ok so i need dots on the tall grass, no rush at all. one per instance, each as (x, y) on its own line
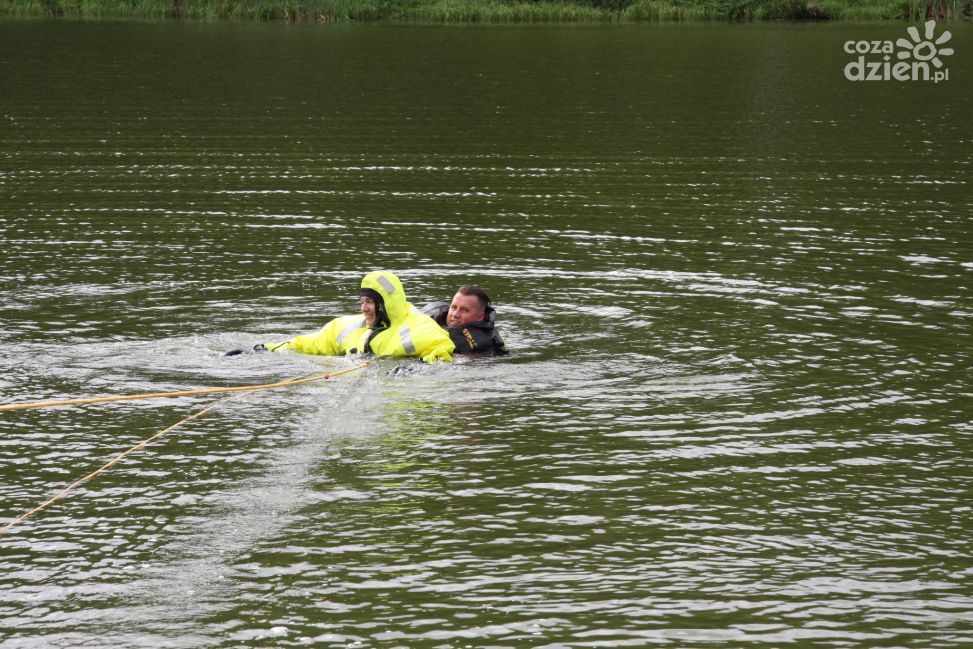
(695, 10)
(911, 10)
(495, 11)
(478, 11)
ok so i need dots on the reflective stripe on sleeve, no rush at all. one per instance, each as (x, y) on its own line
(406, 337)
(350, 329)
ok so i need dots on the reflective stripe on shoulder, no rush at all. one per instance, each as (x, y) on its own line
(406, 337)
(386, 284)
(350, 329)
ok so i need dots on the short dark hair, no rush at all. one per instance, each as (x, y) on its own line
(473, 289)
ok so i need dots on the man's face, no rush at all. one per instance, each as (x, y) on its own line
(368, 309)
(463, 309)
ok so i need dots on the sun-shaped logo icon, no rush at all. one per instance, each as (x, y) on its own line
(925, 50)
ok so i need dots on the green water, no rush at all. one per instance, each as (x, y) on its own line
(736, 287)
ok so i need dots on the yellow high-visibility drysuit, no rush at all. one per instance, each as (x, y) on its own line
(406, 331)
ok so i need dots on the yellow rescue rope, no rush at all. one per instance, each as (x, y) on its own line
(180, 393)
(77, 483)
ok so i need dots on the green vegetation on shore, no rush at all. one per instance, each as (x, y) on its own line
(495, 11)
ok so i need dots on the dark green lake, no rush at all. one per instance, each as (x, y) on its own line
(736, 286)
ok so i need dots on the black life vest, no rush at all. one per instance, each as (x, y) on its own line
(479, 337)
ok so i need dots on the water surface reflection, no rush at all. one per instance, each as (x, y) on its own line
(737, 407)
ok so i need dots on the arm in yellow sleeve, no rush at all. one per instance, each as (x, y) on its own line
(321, 342)
(442, 350)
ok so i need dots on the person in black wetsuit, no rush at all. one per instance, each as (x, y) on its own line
(470, 321)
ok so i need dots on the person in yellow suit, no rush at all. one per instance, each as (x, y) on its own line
(388, 326)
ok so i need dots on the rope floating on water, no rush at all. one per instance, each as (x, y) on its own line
(179, 393)
(145, 442)
(77, 483)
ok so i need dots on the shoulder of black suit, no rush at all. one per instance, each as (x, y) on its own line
(437, 311)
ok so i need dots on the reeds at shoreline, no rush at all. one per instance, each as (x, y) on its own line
(493, 11)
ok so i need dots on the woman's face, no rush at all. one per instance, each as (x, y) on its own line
(368, 309)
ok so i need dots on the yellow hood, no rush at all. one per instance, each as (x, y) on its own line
(390, 288)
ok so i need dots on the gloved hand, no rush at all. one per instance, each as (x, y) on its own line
(403, 370)
(239, 350)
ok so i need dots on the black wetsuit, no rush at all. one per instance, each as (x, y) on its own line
(479, 337)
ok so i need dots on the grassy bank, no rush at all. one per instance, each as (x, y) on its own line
(495, 11)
